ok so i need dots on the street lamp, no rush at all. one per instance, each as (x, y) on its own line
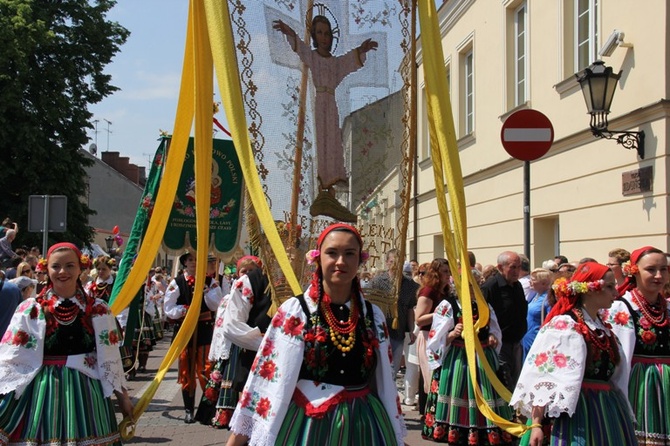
(109, 242)
(598, 84)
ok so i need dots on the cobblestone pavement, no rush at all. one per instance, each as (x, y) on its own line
(163, 421)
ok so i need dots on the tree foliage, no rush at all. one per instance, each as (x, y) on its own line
(52, 59)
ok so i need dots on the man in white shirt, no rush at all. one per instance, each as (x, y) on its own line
(193, 364)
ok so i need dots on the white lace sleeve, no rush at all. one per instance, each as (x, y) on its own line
(220, 347)
(235, 327)
(619, 317)
(172, 310)
(107, 343)
(22, 348)
(213, 295)
(443, 323)
(553, 371)
(273, 377)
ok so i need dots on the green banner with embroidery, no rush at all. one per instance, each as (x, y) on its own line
(225, 211)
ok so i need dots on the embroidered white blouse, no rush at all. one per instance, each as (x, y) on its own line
(212, 294)
(274, 376)
(554, 369)
(443, 322)
(22, 349)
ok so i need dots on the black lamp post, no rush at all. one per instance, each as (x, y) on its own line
(598, 84)
(109, 243)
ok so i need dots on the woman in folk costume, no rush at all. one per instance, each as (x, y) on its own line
(640, 320)
(193, 364)
(144, 335)
(101, 287)
(60, 364)
(451, 412)
(323, 373)
(576, 372)
(434, 289)
(220, 396)
(41, 275)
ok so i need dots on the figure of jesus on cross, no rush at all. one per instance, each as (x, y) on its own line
(327, 71)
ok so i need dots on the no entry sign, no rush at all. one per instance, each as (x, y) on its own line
(527, 135)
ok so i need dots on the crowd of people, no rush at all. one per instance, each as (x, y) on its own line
(583, 348)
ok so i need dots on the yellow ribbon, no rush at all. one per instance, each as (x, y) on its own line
(446, 164)
(227, 73)
(206, 20)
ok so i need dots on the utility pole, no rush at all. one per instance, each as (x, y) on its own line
(108, 131)
(95, 133)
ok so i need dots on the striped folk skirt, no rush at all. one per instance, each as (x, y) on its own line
(601, 417)
(451, 413)
(60, 406)
(358, 421)
(649, 395)
(220, 398)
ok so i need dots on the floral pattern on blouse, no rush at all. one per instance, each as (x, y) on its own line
(551, 359)
(19, 338)
(556, 365)
(274, 376)
(444, 320)
(637, 338)
(21, 356)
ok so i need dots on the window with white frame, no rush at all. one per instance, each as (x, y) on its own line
(468, 98)
(585, 32)
(520, 55)
(424, 150)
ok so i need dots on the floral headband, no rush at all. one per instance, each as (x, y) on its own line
(41, 265)
(565, 289)
(629, 270)
(109, 261)
(85, 261)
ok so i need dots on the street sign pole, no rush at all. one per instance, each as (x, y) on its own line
(527, 135)
(45, 226)
(47, 213)
(526, 208)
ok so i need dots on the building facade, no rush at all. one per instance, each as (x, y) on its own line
(585, 193)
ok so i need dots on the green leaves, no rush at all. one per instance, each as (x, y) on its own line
(52, 60)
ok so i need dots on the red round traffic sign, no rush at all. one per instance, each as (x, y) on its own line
(527, 134)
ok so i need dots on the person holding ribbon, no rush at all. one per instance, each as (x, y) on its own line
(60, 364)
(451, 416)
(576, 371)
(194, 366)
(322, 374)
(229, 352)
(641, 321)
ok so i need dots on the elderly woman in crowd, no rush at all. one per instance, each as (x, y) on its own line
(540, 306)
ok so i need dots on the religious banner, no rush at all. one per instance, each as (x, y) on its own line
(225, 209)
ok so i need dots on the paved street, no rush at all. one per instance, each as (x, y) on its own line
(163, 423)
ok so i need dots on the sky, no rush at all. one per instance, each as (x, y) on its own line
(148, 71)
